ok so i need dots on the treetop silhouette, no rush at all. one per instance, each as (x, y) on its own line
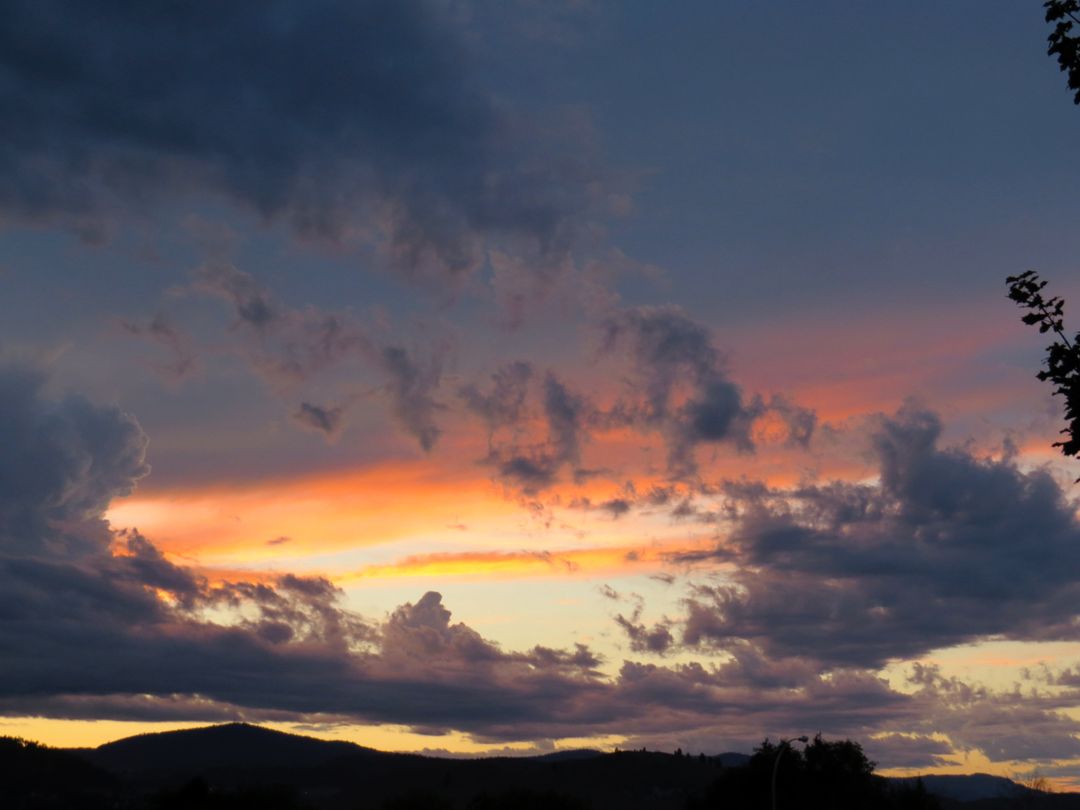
(1062, 356)
(1063, 45)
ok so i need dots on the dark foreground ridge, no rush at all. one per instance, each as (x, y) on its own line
(244, 766)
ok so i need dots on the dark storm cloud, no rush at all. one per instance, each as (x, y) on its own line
(333, 116)
(62, 462)
(946, 549)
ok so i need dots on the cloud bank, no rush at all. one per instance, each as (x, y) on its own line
(98, 623)
(344, 120)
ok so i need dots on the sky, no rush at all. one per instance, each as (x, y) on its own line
(477, 376)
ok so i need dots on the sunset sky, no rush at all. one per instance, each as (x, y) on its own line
(485, 375)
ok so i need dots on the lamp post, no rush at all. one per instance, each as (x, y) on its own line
(776, 762)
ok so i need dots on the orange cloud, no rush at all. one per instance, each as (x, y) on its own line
(270, 519)
(580, 561)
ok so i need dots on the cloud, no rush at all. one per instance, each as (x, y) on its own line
(338, 118)
(109, 627)
(686, 393)
(410, 386)
(504, 403)
(908, 750)
(90, 615)
(1007, 725)
(63, 461)
(945, 549)
(97, 623)
(327, 420)
(161, 330)
(565, 412)
(535, 466)
(655, 639)
(288, 346)
(253, 305)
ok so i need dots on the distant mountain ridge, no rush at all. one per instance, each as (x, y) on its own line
(970, 787)
(238, 756)
(233, 745)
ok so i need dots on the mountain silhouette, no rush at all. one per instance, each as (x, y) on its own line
(224, 747)
(240, 765)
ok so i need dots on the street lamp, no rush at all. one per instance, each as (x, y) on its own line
(776, 762)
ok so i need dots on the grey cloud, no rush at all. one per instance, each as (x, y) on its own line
(529, 474)
(687, 394)
(715, 413)
(290, 345)
(1069, 676)
(253, 305)
(327, 420)
(534, 466)
(411, 386)
(146, 565)
(946, 549)
(799, 422)
(504, 404)
(683, 391)
(565, 413)
(162, 331)
(646, 502)
(332, 116)
(665, 346)
(656, 639)
(908, 750)
(1004, 725)
(616, 507)
(62, 461)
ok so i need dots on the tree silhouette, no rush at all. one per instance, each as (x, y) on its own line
(1062, 356)
(825, 775)
(1063, 45)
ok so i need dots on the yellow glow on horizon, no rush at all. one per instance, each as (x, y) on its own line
(971, 762)
(60, 733)
(92, 733)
